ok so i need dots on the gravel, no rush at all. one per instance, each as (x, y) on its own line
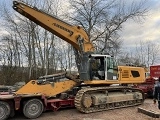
(130, 113)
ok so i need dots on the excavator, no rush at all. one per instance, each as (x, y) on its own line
(101, 83)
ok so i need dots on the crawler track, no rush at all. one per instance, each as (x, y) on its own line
(85, 94)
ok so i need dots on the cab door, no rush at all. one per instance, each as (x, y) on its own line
(110, 72)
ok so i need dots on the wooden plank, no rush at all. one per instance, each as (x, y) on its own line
(148, 112)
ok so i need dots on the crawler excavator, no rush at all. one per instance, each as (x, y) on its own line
(102, 85)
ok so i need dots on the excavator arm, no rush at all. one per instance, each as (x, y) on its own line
(75, 35)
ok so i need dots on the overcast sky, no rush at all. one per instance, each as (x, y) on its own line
(132, 33)
(148, 30)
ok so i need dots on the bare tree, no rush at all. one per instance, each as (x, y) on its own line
(147, 52)
(103, 19)
(32, 46)
(28, 44)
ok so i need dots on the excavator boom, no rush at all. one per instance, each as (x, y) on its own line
(75, 35)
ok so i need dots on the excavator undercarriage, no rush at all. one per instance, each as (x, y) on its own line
(94, 99)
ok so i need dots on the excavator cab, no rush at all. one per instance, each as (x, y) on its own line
(99, 67)
(107, 68)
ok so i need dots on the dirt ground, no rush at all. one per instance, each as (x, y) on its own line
(130, 113)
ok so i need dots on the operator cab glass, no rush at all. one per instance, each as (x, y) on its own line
(103, 67)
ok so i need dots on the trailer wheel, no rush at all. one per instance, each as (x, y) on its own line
(33, 108)
(4, 110)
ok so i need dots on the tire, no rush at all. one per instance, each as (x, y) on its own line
(33, 108)
(5, 110)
